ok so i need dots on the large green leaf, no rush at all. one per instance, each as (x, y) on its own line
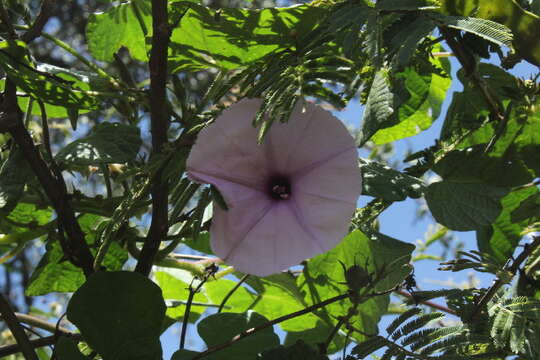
(381, 181)
(14, 173)
(55, 274)
(323, 277)
(464, 206)
(108, 143)
(501, 238)
(120, 315)
(473, 165)
(66, 349)
(298, 351)
(119, 27)
(423, 105)
(379, 109)
(232, 324)
(231, 38)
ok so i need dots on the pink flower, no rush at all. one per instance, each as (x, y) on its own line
(289, 198)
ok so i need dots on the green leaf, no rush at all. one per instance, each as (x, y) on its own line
(66, 349)
(230, 325)
(299, 351)
(54, 273)
(240, 301)
(381, 181)
(464, 206)
(406, 5)
(120, 315)
(379, 109)
(501, 238)
(108, 143)
(323, 277)
(486, 29)
(426, 93)
(48, 83)
(528, 208)
(473, 165)
(231, 38)
(178, 290)
(119, 27)
(14, 173)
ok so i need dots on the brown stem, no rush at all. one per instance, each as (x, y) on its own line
(39, 23)
(7, 350)
(16, 329)
(40, 323)
(512, 270)
(431, 304)
(159, 118)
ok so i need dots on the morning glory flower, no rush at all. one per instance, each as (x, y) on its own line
(289, 198)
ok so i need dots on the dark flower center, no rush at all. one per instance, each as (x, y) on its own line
(279, 187)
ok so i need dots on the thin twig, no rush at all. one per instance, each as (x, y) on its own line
(500, 281)
(431, 304)
(40, 323)
(16, 329)
(7, 350)
(159, 119)
(187, 311)
(231, 292)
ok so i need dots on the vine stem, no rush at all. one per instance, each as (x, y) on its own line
(189, 302)
(159, 124)
(231, 292)
(17, 330)
(500, 281)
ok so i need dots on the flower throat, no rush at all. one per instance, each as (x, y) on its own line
(279, 187)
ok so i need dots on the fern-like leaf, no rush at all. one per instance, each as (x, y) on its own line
(402, 318)
(489, 30)
(511, 322)
(416, 324)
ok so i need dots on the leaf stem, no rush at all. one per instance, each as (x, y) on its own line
(431, 304)
(231, 292)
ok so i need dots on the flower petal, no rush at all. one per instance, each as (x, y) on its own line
(260, 237)
(311, 135)
(227, 151)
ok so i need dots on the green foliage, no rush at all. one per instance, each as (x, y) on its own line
(107, 144)
(120, 314)
(477, 206)
(383, 182)
(229, 325)
(14, 173)
(125, 25)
